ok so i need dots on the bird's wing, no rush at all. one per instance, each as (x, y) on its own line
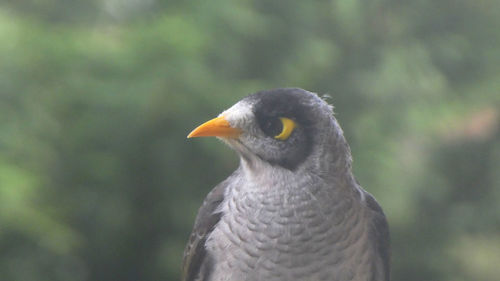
(196, 263)
(379, 235)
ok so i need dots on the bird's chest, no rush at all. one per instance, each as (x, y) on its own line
(285, 235)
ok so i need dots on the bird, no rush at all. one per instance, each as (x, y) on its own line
(292, 210)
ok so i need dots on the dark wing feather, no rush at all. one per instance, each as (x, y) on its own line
(196, 264)
(380, 236)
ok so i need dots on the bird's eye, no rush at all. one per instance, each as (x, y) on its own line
(278, 128)
(272, 126)
(288, 126)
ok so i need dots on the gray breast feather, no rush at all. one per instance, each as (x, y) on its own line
(198, 264)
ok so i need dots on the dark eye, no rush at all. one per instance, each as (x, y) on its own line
(272, 126)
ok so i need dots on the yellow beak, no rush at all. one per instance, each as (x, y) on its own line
(217, 127)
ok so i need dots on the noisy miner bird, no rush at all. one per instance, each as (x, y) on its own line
(293, 209)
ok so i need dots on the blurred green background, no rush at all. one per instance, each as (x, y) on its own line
(98, 180)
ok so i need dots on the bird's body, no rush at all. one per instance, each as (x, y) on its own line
(302, 218)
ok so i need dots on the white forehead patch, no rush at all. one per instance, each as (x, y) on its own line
(239, 114)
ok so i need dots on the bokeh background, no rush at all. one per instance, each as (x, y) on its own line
(98, 180)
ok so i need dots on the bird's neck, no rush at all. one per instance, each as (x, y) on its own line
(264, 175)
(332, 156)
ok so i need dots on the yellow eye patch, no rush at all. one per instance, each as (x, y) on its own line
(288, 127)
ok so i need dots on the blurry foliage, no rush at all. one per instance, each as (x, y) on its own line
(97, 180)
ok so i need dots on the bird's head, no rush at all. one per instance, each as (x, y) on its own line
(286, 128)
